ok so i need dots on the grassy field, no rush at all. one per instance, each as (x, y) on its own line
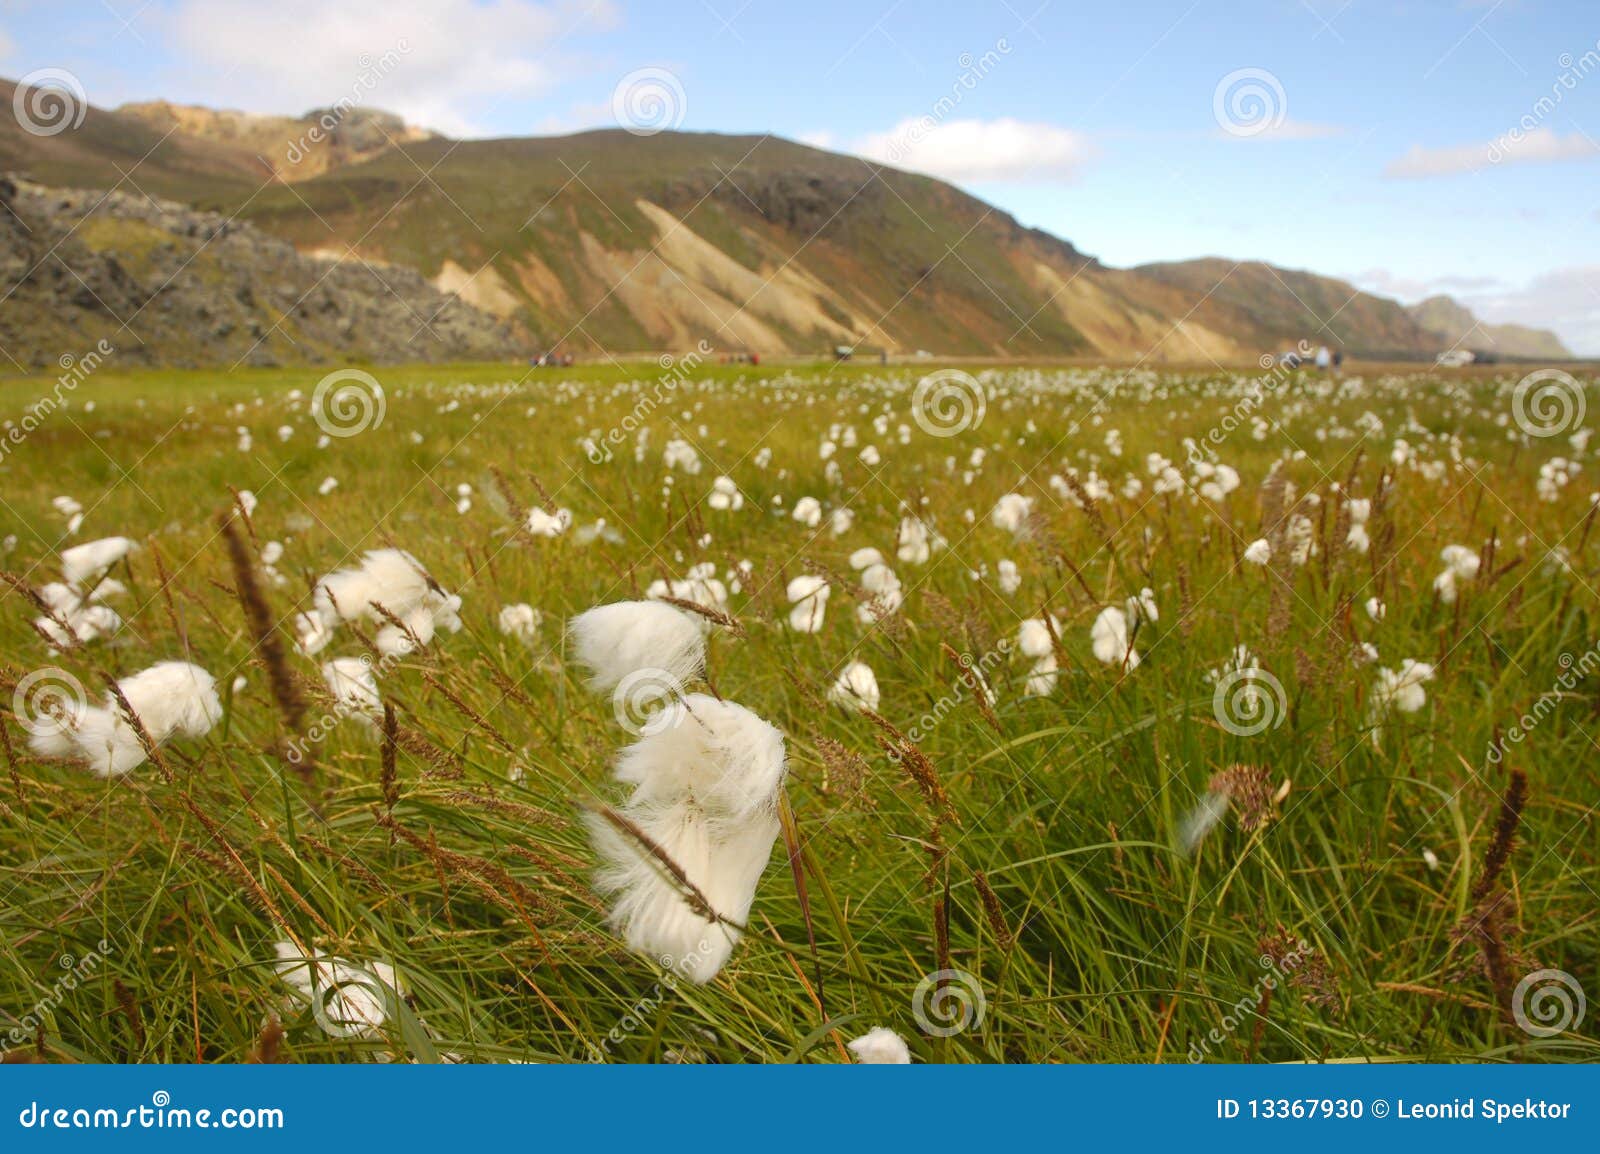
(1377, 890)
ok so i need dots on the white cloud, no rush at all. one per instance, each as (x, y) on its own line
(1413, 289)
(1538, 146)
(455, 57)
(967, 151)
(1565, 299)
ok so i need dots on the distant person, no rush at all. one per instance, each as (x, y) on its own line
(1324, 359)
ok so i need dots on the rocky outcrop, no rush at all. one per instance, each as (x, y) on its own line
(166, 284)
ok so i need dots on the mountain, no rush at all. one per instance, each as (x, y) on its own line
(1456, 327)
(288, 148)
(610, 241)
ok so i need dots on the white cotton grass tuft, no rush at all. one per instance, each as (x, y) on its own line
(613, 641)
(390, 580)
(1402, 690)
(78, 615)
(856, 687)
(171, 699)
(349, 999)
(77, 612)
(885, 594)
(355, 689)
(808, 594)
(312, 632)
(520, 621)
(1008, 577)
(1300, 538)
(1142, 609)
(705, 793)
(700, 585)
(1110, 638)
(880, 1046)
(1399, 691)
(679, 454)
(82, 564)
(807, 511)
(1035, 640)
(69, 508)
(725, 495)
(542, 523)
(916, 542)
(1460, 564)
(1011, 513)
(1360, 511)
(1258, 552)
(417, 628)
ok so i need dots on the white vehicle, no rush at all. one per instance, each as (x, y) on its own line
(1455, 358)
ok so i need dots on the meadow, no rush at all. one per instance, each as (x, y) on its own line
(1213, 716)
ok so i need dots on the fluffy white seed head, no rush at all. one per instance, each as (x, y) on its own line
(856, 687)
(880, 1046)
(612, 641)
(170, 699)
(808, 594)
(706, 794)
(1109, 636)
(355, 689)
(81, 563)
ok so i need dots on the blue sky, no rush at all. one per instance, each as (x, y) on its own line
(1413, 147)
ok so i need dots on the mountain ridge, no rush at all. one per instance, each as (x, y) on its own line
(606, 240)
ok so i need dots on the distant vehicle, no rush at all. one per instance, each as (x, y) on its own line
(1455, 358)
(843, 352)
